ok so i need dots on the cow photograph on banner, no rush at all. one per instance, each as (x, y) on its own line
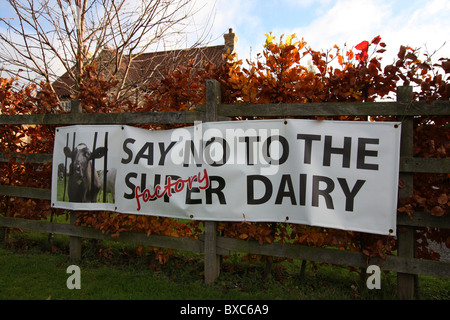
(336, 174)
(85, 178)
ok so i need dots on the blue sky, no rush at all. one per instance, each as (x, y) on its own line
(323, 23)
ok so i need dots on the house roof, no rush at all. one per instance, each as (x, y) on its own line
(150, 66)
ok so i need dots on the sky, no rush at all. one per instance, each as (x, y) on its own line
(421, 24)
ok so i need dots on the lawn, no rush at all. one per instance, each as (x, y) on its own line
(31, 268)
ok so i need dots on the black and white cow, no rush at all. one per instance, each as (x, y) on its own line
(84, 183)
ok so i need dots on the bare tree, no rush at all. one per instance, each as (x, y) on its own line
(43, 39)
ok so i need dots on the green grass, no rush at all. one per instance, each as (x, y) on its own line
(33, 269)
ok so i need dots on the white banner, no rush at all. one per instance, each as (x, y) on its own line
(337, 174)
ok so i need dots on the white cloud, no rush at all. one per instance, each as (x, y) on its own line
(427, 26)
(348, 21)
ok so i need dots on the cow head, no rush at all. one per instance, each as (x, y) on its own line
(81, 157)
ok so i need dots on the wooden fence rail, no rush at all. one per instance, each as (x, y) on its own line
(210, 243)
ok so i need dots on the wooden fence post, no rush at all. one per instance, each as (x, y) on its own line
(405, 235)
(75, 242)
(212, 260)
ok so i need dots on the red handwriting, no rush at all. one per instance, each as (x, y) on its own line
(172, 187)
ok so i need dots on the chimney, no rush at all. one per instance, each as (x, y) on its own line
(230, 41)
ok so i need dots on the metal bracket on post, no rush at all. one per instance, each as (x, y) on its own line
(405, 237)
(212, 259)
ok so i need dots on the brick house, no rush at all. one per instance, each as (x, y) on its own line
(149, 66)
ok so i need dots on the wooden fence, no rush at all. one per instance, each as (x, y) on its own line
(210, 243)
